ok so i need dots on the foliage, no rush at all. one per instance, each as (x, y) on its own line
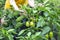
(43, 22)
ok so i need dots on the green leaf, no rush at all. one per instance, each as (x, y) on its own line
(3, 31)
(46, 30)
(10, 15)
(37, 33)
(11, 30)
(19, 24)
(1, 37)
(46, 14)
(29, 34)
(41, 22)
(19, 18)
(46, 1)
(34, 11)
(21, 32)
(10, 37)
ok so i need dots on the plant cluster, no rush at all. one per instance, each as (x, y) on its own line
(39, 23)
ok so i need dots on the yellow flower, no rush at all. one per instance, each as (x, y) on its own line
(21, 2)
(18, 2)
(7, 4)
